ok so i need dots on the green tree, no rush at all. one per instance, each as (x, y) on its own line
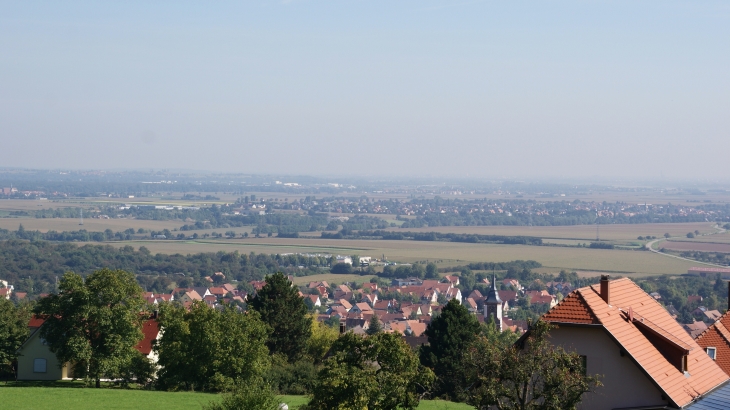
(252, 395)
(374, 327)
(281, 307)
(378, 372)
(432, 271)
(320, 340)
(94, 323)
(449, 334)
(13, 331)
(504, 339)
(210, 350)
(535, 375)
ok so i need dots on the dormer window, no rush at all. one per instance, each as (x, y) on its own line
(711, 351)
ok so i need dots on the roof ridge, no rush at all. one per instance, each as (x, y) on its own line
(667, 335)
(723, 331)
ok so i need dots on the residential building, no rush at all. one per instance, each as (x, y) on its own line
(37, 362)
(644, 357)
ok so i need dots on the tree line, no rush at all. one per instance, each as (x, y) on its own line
(33, 266)
(433, 236)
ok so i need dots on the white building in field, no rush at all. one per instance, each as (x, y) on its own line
(344, 259)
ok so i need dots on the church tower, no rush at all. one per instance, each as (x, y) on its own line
(493, 305)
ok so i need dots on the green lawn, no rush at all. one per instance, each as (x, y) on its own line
(70, 395)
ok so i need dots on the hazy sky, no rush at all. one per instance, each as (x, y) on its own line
(432, 88)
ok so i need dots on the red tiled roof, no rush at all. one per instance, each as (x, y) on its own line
(703, 374)
(218, 291)
(718, 336)
(417, 328)
(536, 299)
(572, 309)
(507, 295)
(36, 321)
(150, 329)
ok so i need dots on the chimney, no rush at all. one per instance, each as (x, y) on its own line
(605, 291)
(728, 296)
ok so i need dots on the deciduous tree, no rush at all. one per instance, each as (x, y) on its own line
(13, 331)
(378, 372)
(94, 323)
(531, 375)
(211, 350)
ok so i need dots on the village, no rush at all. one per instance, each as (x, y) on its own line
(660, 360)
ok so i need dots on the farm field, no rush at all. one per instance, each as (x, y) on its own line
(331, 278)
(695, 246)
(52, 398)
(90, 224)
(633, 263)
(623, 232)
(718, 238)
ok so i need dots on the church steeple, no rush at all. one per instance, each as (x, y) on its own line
(493, 305)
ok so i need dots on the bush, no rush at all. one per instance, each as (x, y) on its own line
(247, 396)
(341, 268)
(139, 370)
(690, 235)
(296, 378)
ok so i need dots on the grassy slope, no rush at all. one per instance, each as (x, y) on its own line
(52, 398)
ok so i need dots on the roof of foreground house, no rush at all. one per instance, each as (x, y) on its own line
(640, 325)
(715, 400)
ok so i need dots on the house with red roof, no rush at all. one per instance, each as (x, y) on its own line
(37, 362)
(218, 291)
(715, 340)
(452, 279)
(645, 359)
(361, 307)
(316, 302)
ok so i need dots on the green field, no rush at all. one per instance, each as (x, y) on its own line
(53, 398)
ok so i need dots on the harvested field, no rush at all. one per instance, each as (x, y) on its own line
(90, 224)
(623, 232)
(695, 246)
(630, 263)
(719, 238)
(331, 278)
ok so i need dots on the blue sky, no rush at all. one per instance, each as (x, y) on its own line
(431, 88)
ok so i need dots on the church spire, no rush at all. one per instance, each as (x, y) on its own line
(493, 305)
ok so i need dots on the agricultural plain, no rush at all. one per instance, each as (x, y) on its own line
(554, 258)
(90, 224)
(564, 251)
(618, 232)
(695, 246)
